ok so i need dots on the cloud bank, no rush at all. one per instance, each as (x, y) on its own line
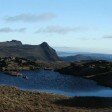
(108, 37)
(27, 17)
(9, 30)
(59, 29)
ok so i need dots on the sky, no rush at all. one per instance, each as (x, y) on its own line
(82, 25)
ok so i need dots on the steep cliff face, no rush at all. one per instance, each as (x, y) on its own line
(49, 52)
(15, 48)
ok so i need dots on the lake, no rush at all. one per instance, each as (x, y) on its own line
(54, 82)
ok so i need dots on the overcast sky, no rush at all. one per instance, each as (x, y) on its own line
(78, 24)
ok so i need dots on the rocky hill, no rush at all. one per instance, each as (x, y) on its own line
(100, 71)
(15, 48)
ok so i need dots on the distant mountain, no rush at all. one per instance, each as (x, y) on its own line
(15, 48)
(76, 58)
(91, 56)
(97, 56)
(69, 53)
(65, 54)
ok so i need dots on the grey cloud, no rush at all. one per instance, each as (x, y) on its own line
(9, 30)
(31, 17)
(59, 29)
(108, 37)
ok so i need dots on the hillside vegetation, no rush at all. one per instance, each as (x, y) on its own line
(14, 100)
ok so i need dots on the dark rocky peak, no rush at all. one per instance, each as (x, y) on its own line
(11, 43)
(44, 44)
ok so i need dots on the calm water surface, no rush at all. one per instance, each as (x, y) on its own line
(53, 82)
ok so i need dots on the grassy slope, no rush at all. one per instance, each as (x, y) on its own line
(14, 100)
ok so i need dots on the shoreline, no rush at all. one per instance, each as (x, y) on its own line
(25, 77)
(52, 93)
(98, 71)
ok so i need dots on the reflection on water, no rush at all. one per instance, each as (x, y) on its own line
(53, 82)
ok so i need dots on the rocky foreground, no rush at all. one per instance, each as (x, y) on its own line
(14, 100)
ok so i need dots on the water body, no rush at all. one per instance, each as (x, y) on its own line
(54, 82)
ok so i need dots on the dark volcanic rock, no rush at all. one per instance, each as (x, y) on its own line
(15, 48)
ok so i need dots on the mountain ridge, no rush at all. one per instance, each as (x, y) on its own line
(15, 48)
